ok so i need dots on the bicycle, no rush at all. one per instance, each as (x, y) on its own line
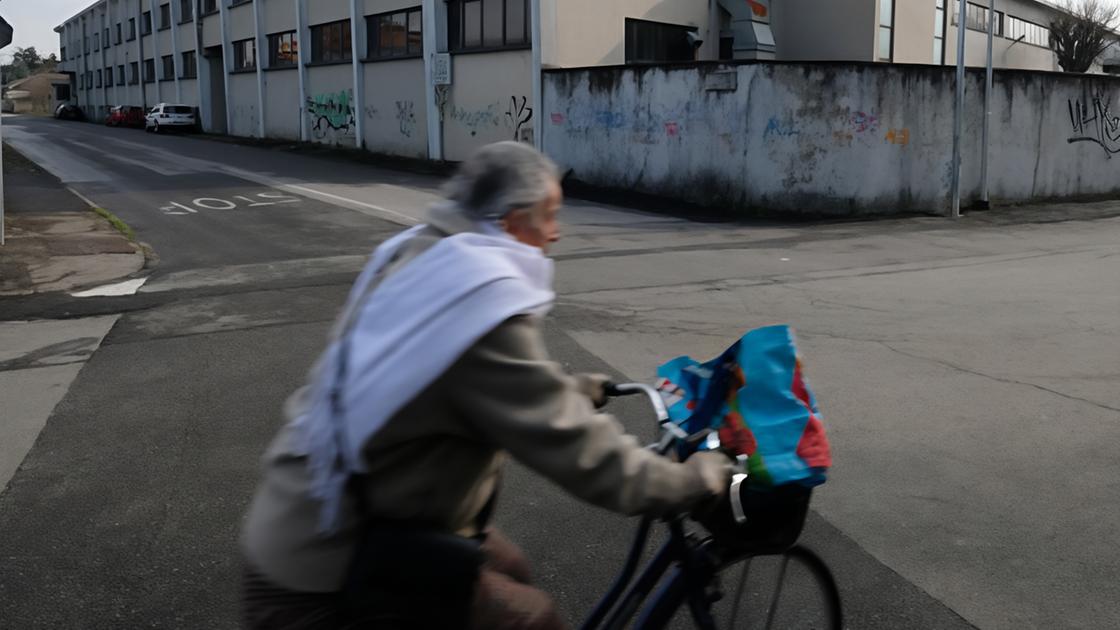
(697, 561)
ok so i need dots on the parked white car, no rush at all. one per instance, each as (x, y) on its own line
(169, 116)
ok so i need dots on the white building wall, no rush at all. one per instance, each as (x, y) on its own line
(281, 95)
(490, 101)
(330, 104)
(395, 116)
(593, 32)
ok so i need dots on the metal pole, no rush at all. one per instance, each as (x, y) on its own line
(538, 96)
(987, 109)
(958, 112)
(2, 230)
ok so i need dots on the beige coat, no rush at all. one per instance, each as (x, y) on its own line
(436, 462)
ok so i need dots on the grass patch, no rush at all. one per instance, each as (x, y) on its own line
(117, 223)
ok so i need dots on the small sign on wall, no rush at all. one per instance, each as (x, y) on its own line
(441, 69)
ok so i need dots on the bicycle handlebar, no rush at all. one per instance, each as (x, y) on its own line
(671, 432)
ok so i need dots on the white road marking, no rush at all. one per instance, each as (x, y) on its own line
(152, 165)
(82, 197)
(128, 287)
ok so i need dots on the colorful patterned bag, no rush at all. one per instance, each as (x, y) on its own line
(754, 395)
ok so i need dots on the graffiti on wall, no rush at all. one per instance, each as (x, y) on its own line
(518, 115)
(406, 118)
(1093, 121)
(476, 120)
(331, 113)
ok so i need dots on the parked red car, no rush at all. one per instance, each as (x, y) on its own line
(125, 116)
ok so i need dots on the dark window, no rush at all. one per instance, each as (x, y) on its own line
(481, 24)
(97, 41)
(89, 79)
(117, 34)
(109, 77)
(62, 91)
(99, 81)
(105, 37)
(190, 65)
(81, 82)
(245, 54)
(186, 11)
(283, 50)
(939, 32)
(149, 70)
(976, 18)
(397, 34)
(164, 16)
(168, 62)
(209, 6)
(330, 42)
(654, 42)
(133, 73)
(131, 29)
(85, 45)
(886, 30)
(62, 53)
(177, 109)
(146, 23)
(120, 75)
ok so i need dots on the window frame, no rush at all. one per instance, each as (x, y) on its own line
(317, 44)
(122, 78)
(632, 56)
(239, 64)
(209, 7)
(189, 70)
(164, 25)
(1027, 28)
(118, 35)
(274, 43)
(131, 29)
(457, 25)
(373, 34)
(887, 25)
(109, 77)
(145, 23)
(186, 11)
(149, 70)
(165, 75)
(99, 78)
(940, 29)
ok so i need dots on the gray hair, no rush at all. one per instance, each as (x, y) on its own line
(500, 178)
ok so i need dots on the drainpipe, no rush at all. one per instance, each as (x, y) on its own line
(958, 114)
(301, 60)
(257, 43)
(227, 53)
(357, 36)
(428, 13)
(538, 97)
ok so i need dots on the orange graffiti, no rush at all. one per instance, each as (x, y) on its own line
(898, 136)
(757, 8)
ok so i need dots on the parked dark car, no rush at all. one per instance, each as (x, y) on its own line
(66, 111)
(125, 116)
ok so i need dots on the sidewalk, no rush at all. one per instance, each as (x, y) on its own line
(54, 241)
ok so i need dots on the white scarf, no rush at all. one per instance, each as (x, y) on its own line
(404, 335)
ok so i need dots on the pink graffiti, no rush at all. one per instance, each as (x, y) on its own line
(557, 118)
(862, 122)
(672, 129)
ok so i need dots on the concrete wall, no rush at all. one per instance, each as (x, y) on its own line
(827, 138)
(281, 102)
(330, 104)
(396, 119)
(244, 115)
(491, 100)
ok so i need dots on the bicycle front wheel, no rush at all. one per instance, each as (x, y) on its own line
(790, 591)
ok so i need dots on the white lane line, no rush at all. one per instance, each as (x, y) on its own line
(353, 204)
(128, 287)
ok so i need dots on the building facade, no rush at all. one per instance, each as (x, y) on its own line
(437, 78)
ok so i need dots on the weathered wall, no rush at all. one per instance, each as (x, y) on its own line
(281, 102)
(491, 100)
(828, 138)
(395, 115)
(330, 104)
(244, 112)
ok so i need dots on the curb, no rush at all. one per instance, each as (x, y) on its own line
(150, 257)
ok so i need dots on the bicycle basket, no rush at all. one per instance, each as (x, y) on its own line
(774, 518)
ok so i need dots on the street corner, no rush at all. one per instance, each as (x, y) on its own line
(65, 251)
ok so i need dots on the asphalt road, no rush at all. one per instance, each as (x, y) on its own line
(972, 488)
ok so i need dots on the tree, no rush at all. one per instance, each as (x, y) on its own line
(1083, 32)
(26, 62)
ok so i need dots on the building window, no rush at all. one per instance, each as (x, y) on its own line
(245, 54)
(209, 6)
(146, 23)
(485, 24)
(99, 81)
(190, 65)
(886, 30)
(330, 42)
(976, 18)
(283, 50)
(62, 53)
(168, 62)
(117, 34)
(120, 75)
(89, 79)
(654, 42)
(164, 16)
(133, 73)
(397, 34)
(186, 11)
(105, 37)
(1031, 33)
(939, 33)
(149, 71)
(85, 45)
(131, 29)
(96, 41)
(62, 91)
(109, 77)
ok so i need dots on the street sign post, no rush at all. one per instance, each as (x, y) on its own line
(5, 39)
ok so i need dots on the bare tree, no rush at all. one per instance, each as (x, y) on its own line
(1083, 32)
